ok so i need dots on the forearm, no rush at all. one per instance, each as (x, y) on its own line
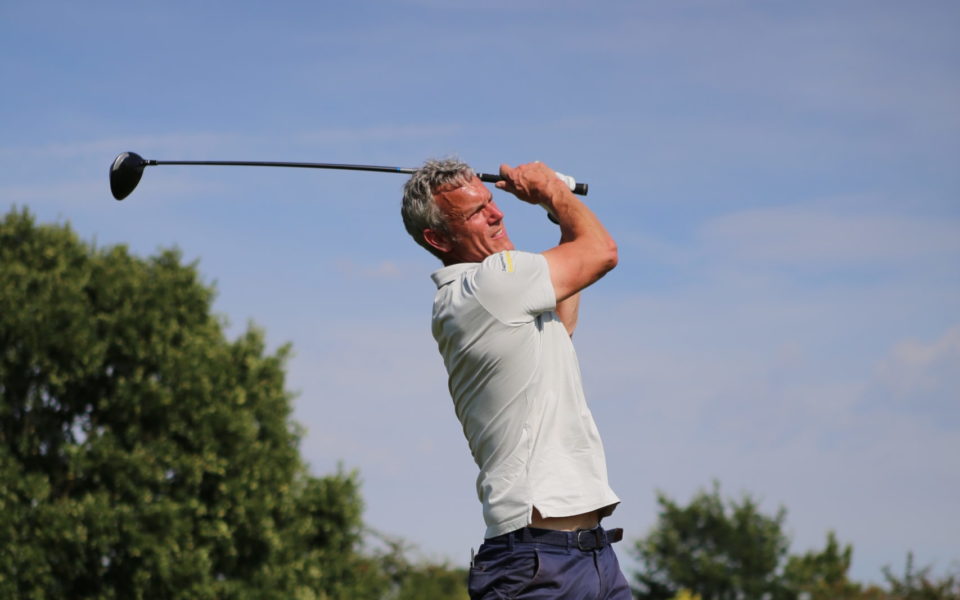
(578, 224)
(586, 250)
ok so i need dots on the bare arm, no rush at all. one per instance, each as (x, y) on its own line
(569, 311)
(586, 251)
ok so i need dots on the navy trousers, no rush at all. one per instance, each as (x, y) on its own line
(519, 565)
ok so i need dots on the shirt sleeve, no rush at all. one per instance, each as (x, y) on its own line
(515, 287)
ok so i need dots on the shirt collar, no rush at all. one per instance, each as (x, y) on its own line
(448, 274)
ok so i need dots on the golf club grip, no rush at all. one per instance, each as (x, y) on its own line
(579, 189)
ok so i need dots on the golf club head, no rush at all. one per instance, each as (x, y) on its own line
(125, 173)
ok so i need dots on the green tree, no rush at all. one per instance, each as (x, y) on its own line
(409, 580)
(144, 455)
(436, 582)
(822, 575)
(715, 549)
(917, 584)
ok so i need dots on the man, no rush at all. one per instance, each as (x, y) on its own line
(503, 321)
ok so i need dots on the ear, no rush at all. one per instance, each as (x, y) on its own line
(438, 240)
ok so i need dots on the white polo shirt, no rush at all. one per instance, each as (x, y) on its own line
(515, 384)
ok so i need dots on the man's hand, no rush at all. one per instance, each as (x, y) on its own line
(586, 251)
(534, 182)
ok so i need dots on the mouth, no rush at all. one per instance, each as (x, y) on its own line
(499, 233)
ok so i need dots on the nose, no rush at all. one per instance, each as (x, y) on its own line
(493, 212)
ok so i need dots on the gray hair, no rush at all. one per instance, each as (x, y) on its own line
(419, 209)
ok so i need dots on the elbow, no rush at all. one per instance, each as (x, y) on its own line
(611, 255)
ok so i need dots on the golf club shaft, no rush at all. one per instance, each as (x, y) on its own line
(246, 163)
(578, 188)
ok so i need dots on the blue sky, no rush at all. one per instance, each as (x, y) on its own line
(782, 179)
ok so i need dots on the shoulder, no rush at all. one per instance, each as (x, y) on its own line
(513, 261)
(514, 285)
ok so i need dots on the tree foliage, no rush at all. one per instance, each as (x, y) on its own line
(404, 579)
(142, 454)
(822, 575)
(728, 550)
(918, 584)
(712, 549)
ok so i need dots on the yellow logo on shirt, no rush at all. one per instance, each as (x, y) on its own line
(505, 258)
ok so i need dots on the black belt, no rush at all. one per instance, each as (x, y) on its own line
(582, 539)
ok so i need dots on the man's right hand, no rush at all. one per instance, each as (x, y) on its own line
(534, 182)
(586, 250)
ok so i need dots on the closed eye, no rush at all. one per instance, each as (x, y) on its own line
(479, 209)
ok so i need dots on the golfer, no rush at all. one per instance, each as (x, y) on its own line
(503, 321)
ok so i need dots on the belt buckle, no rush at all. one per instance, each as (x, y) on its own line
(597, 541)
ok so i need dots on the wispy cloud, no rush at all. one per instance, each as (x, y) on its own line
(386, 270)
(381, 133)
(920, 378)
(798, 235)
(195, 141)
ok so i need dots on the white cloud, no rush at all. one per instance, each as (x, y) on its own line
(384, 270)
(816, 397)
(880, 63)
(780, 414)
(798, 235)
(62, 193)
(380, 134)
(922, 379)
(197, 142)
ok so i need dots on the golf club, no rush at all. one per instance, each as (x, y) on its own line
(127, 169)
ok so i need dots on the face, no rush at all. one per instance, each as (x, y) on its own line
(475, 224)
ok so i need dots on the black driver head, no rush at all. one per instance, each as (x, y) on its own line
(125, 174)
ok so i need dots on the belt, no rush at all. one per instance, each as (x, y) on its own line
(582, 539)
